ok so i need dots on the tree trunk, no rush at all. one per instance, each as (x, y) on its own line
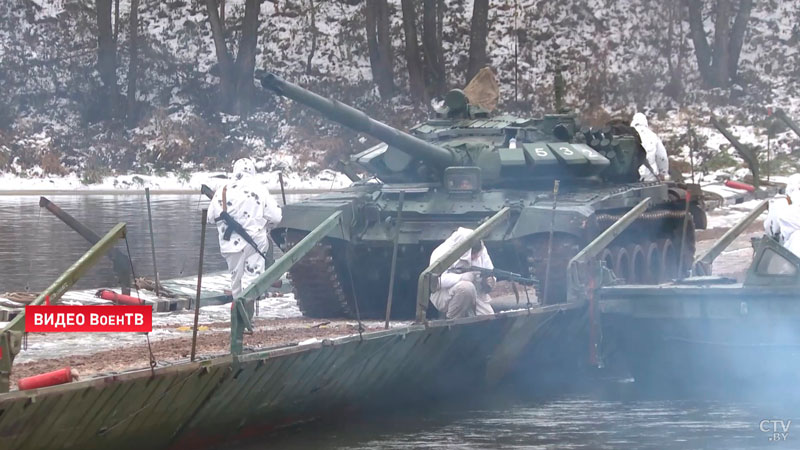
(380, 46)
(385, 45)
(224, 61)
(477, 37)
(314, 32)
(721, 59)
(222, 14)
(737, 35)
(432, 48)
(701, 48)
(718, 66)
(416, 77)
(236, 76)
(246, 59)
(106, 57)
(116, 20)
(133, 66)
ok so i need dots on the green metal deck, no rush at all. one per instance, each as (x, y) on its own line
(205, 403)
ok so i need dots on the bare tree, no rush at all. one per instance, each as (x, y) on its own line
(477, 37)
(312, 9)
(432, 46)
(116, 20)
(380, 46)
(106, 58)
(133, 64)
(416, 77)
(236, 76)
(719, 63)
(673, 45)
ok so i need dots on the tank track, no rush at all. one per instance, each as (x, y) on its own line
(317, 284)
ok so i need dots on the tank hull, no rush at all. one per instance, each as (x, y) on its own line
(354, 261)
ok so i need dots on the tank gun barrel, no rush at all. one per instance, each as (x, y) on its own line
(359, 121)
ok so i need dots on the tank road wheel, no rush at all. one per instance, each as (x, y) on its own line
(669, 260)
(607, 258)
(637, 264)
(654, 271)
(622, 263)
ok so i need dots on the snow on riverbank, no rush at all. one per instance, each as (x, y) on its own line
(324, 180)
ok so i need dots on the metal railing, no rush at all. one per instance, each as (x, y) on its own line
(707, 258)
(243, 306)
(11, 335)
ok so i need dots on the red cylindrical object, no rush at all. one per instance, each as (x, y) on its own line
(120, 299)
(60, 376)
(739, 185)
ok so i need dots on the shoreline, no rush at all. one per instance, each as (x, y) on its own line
(34, 192)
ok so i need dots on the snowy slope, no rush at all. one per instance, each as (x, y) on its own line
(615, 56)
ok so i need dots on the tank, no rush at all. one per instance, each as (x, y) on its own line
(456, 170)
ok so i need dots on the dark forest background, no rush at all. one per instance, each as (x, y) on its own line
(98, 87)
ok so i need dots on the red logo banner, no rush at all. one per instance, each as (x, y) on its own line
(90, 318)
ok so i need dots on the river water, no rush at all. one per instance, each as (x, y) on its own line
(620, 420)
(35, 247)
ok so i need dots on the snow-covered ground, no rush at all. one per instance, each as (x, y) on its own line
(324, 180)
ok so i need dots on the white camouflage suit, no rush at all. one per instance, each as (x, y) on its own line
(656, 153)
(783, 219)
(460, 294)
(251, 205)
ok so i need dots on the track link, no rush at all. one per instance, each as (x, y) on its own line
(317, 284)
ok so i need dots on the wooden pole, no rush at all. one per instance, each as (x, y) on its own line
(550, 244)
(692, 146)
(682, 252)
(283, 191)
(152, 241)
(199, 282)
(398, 223)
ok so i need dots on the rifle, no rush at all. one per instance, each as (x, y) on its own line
(498, 274)
(233, 225)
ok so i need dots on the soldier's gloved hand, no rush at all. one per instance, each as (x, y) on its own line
(486, 284)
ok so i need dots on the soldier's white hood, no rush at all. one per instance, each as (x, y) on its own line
(243, 168)
(639, 120)
(459, 236)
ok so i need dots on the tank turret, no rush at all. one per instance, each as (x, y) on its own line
(508, 150)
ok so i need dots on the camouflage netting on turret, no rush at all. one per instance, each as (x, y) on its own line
(483, 90)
